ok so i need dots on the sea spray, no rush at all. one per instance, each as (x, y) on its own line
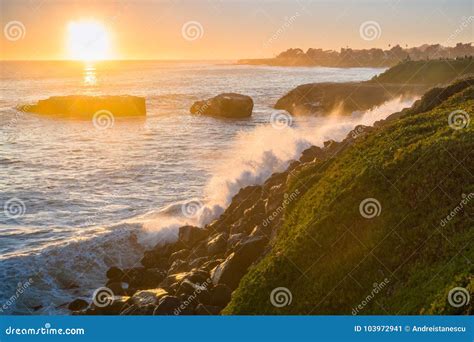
(254, 157)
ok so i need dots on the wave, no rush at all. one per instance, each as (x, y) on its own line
(63, 272)
(253, 158)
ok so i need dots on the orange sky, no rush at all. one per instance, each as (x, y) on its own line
(230, 29)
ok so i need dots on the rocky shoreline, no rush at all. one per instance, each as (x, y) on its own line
(197, 274)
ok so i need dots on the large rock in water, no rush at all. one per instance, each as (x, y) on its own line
(228, 105)
(87, 107)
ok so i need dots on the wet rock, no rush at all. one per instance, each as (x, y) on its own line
(112, 307)
(234, 239)
(220, 295)
(154, 259)
(190, 235)
(85, 107)
(114, 273)
(235, 266)
(229, 105)
(137, 310)
(173, 279)
(181, 254)
(190, 292)
(148, 297)
(311, 153)
(198, 262)
(143, 278)
(198, 277)
(117, 287)
(217, 244)
(78, 304)
(178, 266)
(168, 305)
(209, 265)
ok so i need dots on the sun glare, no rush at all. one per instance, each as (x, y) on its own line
(88, 41)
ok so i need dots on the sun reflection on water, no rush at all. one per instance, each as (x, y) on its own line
(89, 74)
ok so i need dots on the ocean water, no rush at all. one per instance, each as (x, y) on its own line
(75, 200)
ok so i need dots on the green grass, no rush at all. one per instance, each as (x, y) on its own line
(427, 72)
(329, 256)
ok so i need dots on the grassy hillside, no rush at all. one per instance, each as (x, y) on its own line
(427, 72)
(332, 258)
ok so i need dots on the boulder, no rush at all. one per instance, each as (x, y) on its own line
(114, 273)
(168, 305)
(89, 107)
(217, 244)
(178, 266)
(113, 308)
(220, 295)
(190, 235)
(228, 105)
(181, 254)
(144, 278)
(235, 266)
(77, 305)
(148, 297)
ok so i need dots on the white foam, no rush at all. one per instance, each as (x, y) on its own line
(256, 155)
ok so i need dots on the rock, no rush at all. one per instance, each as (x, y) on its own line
(310, 154)
(217, 244)
(137, 310)
(144, 278)
(209, 265)
(234, 239)
(117, 287)
(114, 307)
(114, 273)
(173, 279)
(178, 266)
(200, 277)
(168, 305)
(228, 105)
(181, 254)
(78, 304)
(154, 259)
(190, 292)
(148, 297)
(235, 266)
(189, 235)
(99, 108)
(198, 262)
(220, 295)
(207, 310)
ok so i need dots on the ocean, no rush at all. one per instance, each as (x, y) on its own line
(76, 199)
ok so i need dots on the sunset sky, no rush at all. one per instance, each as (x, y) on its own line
(136, 29)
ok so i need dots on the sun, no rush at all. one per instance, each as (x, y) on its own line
(88, 40)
